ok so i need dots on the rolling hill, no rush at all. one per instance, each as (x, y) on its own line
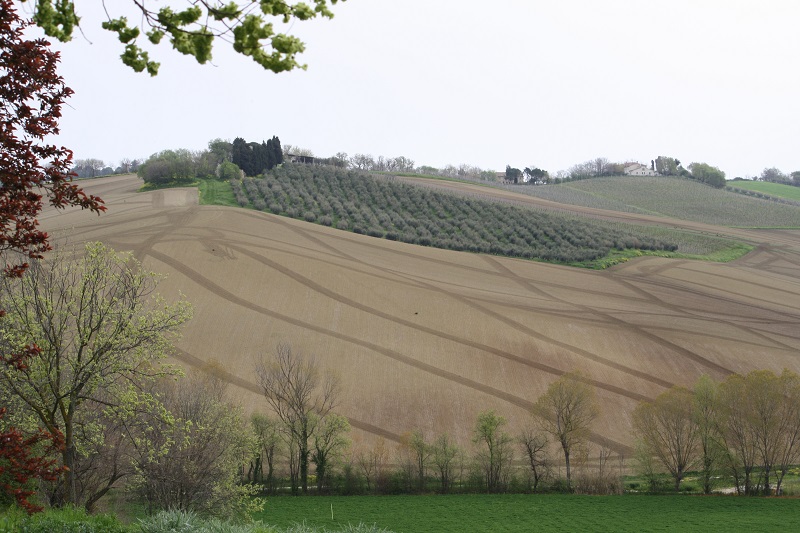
(425, 338)
(777, 190)
(670, 197)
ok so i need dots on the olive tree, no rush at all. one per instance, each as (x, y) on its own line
(566, 411)
(300, 394)
(101, 331)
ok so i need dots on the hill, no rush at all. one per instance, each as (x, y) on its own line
(427, 338)
(385, 208)
(777, 190)
(670, 197)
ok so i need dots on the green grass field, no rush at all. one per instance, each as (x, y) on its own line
(765, 187)
(215, 192)
(673, 197)
(515, 512)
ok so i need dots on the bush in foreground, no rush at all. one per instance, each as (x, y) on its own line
(76, 520)
(64, 520)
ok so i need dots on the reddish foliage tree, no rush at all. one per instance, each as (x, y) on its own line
(31, 95)
(19, 464)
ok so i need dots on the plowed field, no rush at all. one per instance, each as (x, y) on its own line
(426, 338)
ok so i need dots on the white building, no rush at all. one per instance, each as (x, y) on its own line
(638, 169)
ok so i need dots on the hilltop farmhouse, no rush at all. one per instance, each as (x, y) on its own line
(638, 169)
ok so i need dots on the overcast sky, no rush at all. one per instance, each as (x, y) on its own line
(487, 83)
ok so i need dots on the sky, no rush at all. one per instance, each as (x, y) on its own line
(507, 82)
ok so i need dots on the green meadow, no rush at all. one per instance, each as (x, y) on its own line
(765, 187)
(520, 512)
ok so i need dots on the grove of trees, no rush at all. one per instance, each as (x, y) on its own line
(707, 174)
(302, 398)
(299, 395)
(386, 208)
(747, 427)
(774, 175)
(221, 160)
(254, 158)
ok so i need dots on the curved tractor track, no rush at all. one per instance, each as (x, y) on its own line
(426, 338)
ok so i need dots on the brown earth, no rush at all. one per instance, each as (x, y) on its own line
(426, 338)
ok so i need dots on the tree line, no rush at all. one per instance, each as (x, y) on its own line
(746, 427)
(775, 175)
(742, 432)
(304, 431)
(221, 160)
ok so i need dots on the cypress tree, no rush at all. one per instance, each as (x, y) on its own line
(277, 151)
(240, 155)
(270, 151)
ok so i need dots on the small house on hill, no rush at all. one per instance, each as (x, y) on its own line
(305, 159)
(638, 169)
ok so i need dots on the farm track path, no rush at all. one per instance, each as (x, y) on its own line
(425, 338)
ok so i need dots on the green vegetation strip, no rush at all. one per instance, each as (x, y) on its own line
(215, 192)
(538, 513)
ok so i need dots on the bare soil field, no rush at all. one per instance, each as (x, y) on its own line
(426, 338)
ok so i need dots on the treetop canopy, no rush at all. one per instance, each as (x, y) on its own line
(246, 25)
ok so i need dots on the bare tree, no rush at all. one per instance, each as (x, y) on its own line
(737, 432)
(268, 436)
(760, 413)
(789, 448)
(373, 465)
(534, 445)
(362, 162)
(706, 415)
(668, 430)
(188, 457)
(567, 410)
(300, 394)
(414, 455)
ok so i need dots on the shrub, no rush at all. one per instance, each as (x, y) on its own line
(190, 522)
(67, 520)
(229, 171)
(168, 166)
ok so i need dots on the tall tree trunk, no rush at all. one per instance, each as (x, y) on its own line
(304, 468)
